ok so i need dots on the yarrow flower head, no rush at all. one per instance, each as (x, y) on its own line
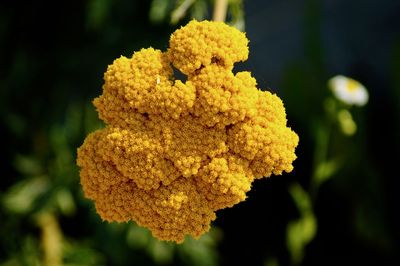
(348, 90)
(172, 152)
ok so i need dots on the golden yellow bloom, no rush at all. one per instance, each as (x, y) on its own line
(175, 152)
(202, 43)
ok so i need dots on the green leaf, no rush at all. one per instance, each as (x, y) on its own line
(302, 231)
(65, 202)
(237, 14)
(301, 198)
(201, 251)
(27, 165)
(326, 170)
(137, 237)
(21, 197)
(346, 122)
(161, 252)
(299, 234)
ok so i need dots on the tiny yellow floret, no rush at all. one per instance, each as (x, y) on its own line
(172, 152)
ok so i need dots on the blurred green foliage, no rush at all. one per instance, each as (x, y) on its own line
(49, 186)
(341, 195)
(174, 11)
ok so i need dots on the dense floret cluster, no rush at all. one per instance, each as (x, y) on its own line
(173, 153)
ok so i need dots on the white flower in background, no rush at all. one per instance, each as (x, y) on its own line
(348, 90)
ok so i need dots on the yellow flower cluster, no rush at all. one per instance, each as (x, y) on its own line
(203, 43)
(175, 152)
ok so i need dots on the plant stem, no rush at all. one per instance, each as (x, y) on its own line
(180, 12)
(51, 239)
(320, 157)
(220, 8)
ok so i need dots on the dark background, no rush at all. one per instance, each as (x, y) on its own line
(53, 56)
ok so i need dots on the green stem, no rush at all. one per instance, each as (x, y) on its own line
(220, 9)
(180, 12)
(320, 156)
(51, 239)
(322, 141)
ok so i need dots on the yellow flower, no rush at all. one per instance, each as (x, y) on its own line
(348, 90)
(173, 152)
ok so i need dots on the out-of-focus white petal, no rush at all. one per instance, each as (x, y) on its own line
(348, 90)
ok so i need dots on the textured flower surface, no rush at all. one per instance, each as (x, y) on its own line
(348, 90)
(173, 153)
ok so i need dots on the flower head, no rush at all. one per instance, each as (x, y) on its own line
(348, 90)
(173, 152)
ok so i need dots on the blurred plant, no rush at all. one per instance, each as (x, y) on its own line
(47, 198)
(46, 191)
(191, 252)
(338, 120)
(46, 201)
(176, 10)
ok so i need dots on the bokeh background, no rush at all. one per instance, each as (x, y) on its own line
(52, 58)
